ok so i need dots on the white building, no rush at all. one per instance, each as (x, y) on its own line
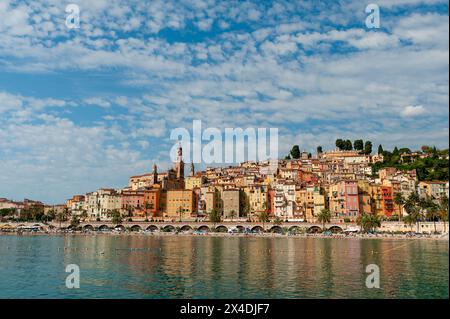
(284, 199)
(101, 203)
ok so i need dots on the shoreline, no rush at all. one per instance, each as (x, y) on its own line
(228, 235)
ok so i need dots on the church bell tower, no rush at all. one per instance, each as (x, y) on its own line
(179, 164)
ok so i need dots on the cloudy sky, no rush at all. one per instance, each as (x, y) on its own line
(86, 108)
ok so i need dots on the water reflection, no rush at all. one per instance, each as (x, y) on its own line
(118, 266)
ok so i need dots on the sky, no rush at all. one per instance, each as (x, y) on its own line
(86, 108)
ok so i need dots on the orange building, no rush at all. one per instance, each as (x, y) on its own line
(180, 204)
(132, 203)
(152, 202)
(387, 203)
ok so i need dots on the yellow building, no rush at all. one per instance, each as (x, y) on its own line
(365, 192)
(192, 182)
(319, 202)
(179, 201)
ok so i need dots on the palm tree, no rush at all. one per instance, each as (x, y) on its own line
(214, 216)
(368, 222)
(84, 215)
(432, 212)
(180, 212)
(285, 205)
(400, 201)
(278, 221)
(323, 217)
(60, 217)
(443, 207)
(75, 222)
(412, 207)
(147, 207)
(247, 206)
(116, 217)
(263, 217)
(130, 211)
(410, 220)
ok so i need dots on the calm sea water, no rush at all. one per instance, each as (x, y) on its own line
(124, 266)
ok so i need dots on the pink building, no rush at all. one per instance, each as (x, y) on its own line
(344, 200)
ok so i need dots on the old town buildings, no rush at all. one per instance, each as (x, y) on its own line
(294, 189)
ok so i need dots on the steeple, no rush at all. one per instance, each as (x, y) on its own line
(192, 169)
(155, 174)
(179, 165)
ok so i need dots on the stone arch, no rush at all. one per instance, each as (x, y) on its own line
(257, 229)
(88, 227)
(221, 229)
(119, 227)
(276, 229)
(186, 228)
(335, 229)
(104, 228)
(135, 228)
(295, 229)
(168, 228)
(240, 228)
(314, 230)
(203, 228)
(152, 228)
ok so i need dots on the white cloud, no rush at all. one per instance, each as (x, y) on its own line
(97, 101)
(413, 110)
(267, 66)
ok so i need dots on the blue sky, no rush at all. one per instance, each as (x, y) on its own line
(86, 108)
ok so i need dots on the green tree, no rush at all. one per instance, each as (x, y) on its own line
(358, 145)
(278, 221)
(400, 201)
(324, 217)
(404, 150)
(432, 212)
(180, 212)
(75, 221)
(413, 209)
(148, 206)
(116, 217)
(84, 214)
(295, 152)
(443, 208)
(232, 214)
(263, 217)
(380, 149)
(368, 222)
(285, 206)
(62, 215)
(348, 145)
(368, 148)
(319, 149)
(214, 216)
(340, 144)
(51, 215)
(247, 206)
(410, 220)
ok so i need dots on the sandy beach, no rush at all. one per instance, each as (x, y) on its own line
(221, 234)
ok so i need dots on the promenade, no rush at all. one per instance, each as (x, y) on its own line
(206, 226)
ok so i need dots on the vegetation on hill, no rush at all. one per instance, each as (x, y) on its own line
(433, 167)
